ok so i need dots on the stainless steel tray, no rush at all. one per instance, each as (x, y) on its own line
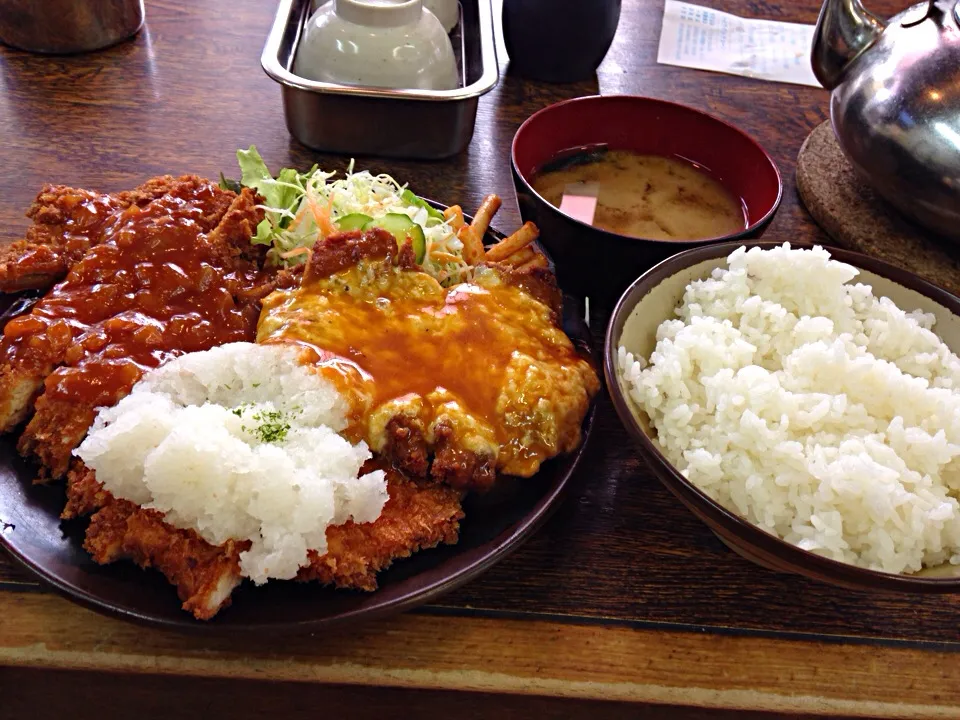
(414, 124)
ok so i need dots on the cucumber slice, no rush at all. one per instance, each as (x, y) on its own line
(402, 228)
(353, 221)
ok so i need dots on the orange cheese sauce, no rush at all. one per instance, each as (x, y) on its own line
(398, 333)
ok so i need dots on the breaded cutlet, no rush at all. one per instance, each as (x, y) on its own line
(32, 346)
(418, 515)
(453, 383)
(122, 308)
(69, 221)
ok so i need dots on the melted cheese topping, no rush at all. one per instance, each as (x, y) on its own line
(484, 357)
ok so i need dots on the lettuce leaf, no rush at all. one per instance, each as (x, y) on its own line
(265, 233)
(281, 195)
(253, 169)
(229, 183)
(408, 197)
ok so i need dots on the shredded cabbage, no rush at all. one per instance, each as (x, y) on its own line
(302, 207)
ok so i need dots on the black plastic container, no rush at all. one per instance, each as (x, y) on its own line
(558, 40)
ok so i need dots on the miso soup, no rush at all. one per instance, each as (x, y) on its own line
(645, 196)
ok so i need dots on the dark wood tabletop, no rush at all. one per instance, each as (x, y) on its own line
(621, 555)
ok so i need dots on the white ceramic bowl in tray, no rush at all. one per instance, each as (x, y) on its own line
(354, 120)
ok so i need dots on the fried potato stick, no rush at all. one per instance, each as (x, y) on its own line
(481, 219)
(521, 256)
(539, 261)
(472, 245)
(509, 245)
(454, 217)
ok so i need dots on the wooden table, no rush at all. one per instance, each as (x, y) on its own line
(622, 598)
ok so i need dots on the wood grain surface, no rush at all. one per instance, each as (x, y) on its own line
(193, 698)
(622, 567)
(590, 662)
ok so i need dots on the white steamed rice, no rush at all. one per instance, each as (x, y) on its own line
(239, 442)
(823, 414)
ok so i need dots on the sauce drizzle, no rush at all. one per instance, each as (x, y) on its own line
(155, 287)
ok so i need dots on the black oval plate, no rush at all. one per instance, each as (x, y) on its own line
(495, 524)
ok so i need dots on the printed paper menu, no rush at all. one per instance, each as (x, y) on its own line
(698, 37)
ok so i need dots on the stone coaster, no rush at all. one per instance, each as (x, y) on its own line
(856, 218)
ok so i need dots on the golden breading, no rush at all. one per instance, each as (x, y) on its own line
(56, 428)
(452, 384)
(85, 494)
(204, 575)
(419, 515)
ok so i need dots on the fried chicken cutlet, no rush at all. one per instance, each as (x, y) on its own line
(457, 383)
(69, 221)
(204, 575)
(451, 386)
(174, 275)
(417, 516)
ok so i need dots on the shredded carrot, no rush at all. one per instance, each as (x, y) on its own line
(297, 251)
(322, 215)
(462, 273)
(441, 256)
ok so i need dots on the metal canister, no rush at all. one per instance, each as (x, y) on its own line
(68, 26)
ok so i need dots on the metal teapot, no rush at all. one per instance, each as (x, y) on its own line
(895, 105)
